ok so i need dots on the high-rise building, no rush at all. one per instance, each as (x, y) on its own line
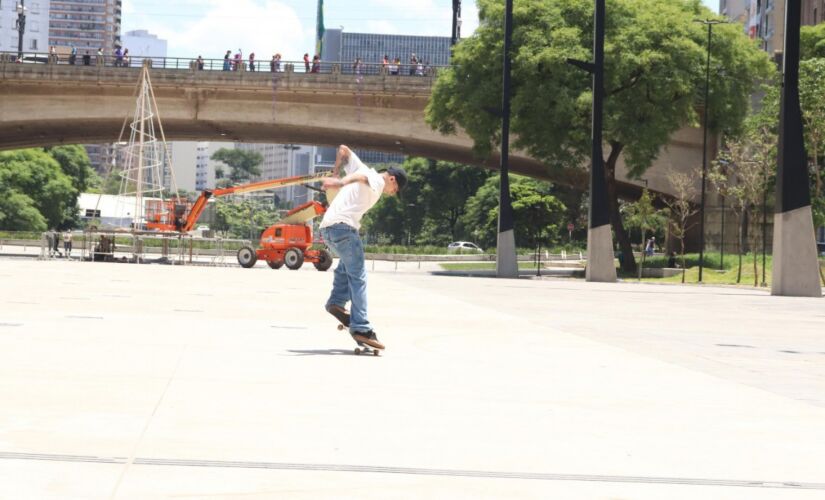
(88, 25)
(142, 44)
(813, 11)
(340, 46)
(284, 160)
(36, 30)
(765, 19)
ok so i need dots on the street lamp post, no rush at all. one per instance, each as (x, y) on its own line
(709, 23)
(21, 27)
(456, 36)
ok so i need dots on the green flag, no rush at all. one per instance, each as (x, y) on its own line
(319, 29)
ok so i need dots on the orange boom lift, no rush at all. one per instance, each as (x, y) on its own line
(286, 242)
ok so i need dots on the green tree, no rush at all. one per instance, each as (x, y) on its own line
(74, 160)
(641, 214)
(812, 101)
(444, 188)
(655, 60)
(244, 219)
(243, 165)
(812, 41)
(538, 215)
(31, 180)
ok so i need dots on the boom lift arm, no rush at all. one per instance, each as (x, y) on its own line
(203, 199)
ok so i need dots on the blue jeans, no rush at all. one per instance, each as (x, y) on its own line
(350, 280)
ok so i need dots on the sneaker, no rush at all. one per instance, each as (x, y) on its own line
(340, 314)
(369, 338)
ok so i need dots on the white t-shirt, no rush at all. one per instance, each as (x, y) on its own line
(354, 199)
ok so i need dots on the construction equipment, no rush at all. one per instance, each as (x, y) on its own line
(181, 217)
(287, 242)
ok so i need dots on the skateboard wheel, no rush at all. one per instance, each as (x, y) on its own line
(340, 327)
(357, 351)
(375, 352)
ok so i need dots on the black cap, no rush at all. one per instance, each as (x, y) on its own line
(400, 176)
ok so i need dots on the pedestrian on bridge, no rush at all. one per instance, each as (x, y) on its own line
(226, 63)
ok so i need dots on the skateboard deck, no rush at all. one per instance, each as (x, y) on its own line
(343, 322)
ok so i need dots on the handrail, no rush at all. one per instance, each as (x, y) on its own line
(90, 58)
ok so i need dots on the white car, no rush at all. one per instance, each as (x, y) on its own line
(464, 246)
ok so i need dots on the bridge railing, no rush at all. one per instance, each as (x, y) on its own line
(91, 58)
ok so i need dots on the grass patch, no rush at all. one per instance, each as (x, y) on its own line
(714, 272)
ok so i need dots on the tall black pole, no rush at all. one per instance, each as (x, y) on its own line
(705, 155)
(21, 28)
(599, 210)
(456, 36)
(600, 258)
(506, 264)
(795, 262)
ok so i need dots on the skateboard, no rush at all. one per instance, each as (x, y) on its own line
(343, 322)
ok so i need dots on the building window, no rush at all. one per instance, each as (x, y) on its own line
(90, 212)
(33, 44)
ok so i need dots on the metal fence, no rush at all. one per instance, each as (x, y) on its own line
(92, 59)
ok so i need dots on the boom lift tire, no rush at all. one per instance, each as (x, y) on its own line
(324, 260)
(294, 258)
(247, 257)
(275, 264)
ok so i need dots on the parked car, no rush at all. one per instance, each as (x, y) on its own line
(464, 246)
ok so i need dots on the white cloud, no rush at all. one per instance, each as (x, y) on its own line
(260, 27)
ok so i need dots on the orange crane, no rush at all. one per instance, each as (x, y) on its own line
(286, 242)
(175, 218)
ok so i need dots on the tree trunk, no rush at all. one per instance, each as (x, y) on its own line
(642, 246)
(739, 247)
(818, 184)
(684, 266)
(628, 260)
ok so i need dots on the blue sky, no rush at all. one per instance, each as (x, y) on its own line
(211, 27)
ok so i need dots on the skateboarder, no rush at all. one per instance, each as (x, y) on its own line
(360, 189)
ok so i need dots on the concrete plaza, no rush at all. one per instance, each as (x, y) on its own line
(122, 381)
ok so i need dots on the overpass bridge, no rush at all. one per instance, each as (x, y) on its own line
(47, 103)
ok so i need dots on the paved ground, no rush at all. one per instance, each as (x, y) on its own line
(140, 382)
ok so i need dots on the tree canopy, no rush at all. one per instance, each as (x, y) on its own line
(812, 41)
(655, 58)
(243, 165)
(446, 202)
(35, 193)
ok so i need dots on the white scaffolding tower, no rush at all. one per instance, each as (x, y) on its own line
(146, 159)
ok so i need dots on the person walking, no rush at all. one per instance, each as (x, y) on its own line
(360, 190)
(651, 246)
(126, 58)
(238, 60)
(252, 61)
(306, 62)
(73, 55)
(316, 64)
(56, 242)
(118, 56)
(67, 244)
(199, 63)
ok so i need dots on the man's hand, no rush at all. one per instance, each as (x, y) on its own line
(341, 157)
(331, 183)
